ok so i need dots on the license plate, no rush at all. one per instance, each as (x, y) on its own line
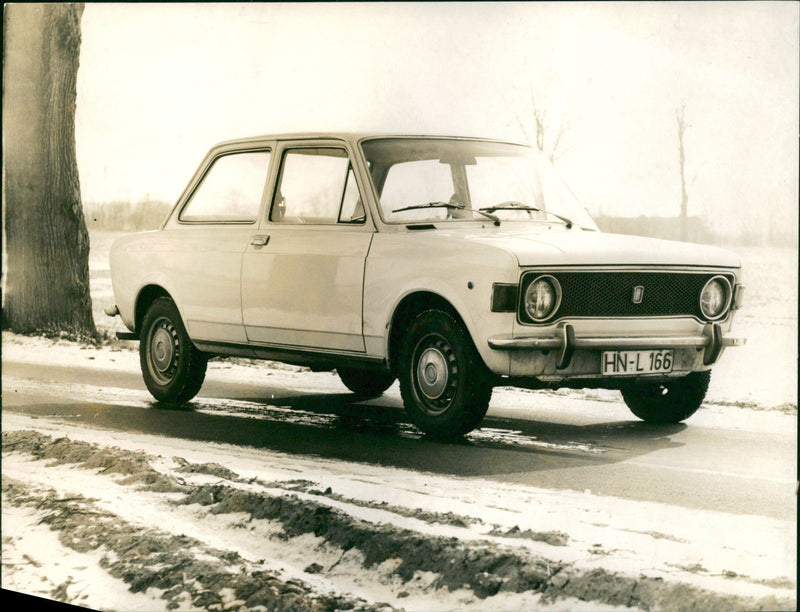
(621, 363)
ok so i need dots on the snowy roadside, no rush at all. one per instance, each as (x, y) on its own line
(338, 531)
(261, 523)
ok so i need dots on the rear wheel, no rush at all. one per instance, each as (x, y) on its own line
(367, 383)
(667, 402)
(445, 385)
(173, 369)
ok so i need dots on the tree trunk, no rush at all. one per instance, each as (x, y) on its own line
(47, 285)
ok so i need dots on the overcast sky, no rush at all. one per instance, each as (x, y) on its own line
(159, 84)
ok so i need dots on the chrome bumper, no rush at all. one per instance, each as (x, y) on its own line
(566, 342)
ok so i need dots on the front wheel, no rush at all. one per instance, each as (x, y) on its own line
(667, 402)
(445, 385)
(173, 369)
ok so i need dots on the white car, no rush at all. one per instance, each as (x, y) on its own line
(453, 264)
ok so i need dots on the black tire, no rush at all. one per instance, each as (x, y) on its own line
(445, 385)
(366, 383)
(667, 402)
(173, 369)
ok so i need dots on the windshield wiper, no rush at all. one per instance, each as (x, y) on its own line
(513, 205)
(484, 212)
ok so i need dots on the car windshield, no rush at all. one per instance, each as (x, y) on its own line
(438, 179)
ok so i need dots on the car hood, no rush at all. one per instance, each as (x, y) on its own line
(558, 246)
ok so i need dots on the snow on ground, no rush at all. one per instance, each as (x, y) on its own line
(713, 551)
(685, 537)
(225, 531)
(35, 562)
(716, 552)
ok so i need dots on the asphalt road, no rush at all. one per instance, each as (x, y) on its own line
(725, 458)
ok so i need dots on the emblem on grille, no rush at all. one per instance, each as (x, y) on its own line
(638, 294)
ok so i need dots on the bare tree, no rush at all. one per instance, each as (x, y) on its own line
(47, 286)
(680, 115)
(548, 140)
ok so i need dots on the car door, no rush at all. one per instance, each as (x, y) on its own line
(303, 276)
(204, 243)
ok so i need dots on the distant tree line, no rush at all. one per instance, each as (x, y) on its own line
(668, 228)
(126, 216)
(122, 216)
(671, 228)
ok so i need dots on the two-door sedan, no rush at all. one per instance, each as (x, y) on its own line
(452, 264)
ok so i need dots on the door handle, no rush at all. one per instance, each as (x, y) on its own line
(260, 240)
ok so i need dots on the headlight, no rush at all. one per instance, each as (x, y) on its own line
(715, 298)
(542, 298)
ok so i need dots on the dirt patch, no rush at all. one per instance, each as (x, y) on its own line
(210, 469)
(441, 518)
(484, 568)
(133, 466)
(481, 567)
(785, 408)
(178, 565)
(181, 568)
(650, 593)
(656, 535)
(554, 538)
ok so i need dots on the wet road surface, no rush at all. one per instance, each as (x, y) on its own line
(713, 462)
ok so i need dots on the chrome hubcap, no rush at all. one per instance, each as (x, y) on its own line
(435, 374)
(432, 373)
(163, 351)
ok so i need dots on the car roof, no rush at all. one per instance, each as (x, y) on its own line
(348, 136)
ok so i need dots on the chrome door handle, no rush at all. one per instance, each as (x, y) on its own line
(259, 240)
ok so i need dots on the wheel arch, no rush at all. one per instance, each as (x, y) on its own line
(147, 295)
(405, 312)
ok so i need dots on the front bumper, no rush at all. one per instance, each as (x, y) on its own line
(711, 342)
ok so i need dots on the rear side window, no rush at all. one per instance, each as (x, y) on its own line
(230, 191)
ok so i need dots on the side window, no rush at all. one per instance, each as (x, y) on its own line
(316, 186)
(231, 190)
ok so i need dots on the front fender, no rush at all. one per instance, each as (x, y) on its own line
(462, 275)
